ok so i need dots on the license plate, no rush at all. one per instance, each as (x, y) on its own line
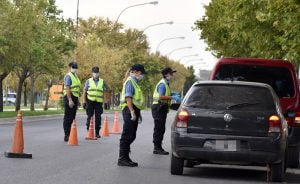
(221, 145)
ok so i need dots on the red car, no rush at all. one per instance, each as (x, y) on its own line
(281, 75)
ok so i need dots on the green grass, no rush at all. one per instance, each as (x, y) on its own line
(30, 113)
(11, 114)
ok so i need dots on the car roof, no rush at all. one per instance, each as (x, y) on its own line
(233, 83)
(259, 61)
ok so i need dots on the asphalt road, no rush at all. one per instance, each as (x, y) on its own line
(96, 161)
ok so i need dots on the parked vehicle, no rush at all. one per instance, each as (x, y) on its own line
(279, 74)
(10, 99)
(238, 123)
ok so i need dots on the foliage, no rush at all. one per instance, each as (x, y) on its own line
(252, 28)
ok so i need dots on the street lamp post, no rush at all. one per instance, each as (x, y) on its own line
(188, 56)
(181, 48)
(172, 38)
(152, 25)
(141, 4)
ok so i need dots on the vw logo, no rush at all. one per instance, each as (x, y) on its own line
(227, 117)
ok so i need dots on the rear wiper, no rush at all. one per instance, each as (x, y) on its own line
(242, 105)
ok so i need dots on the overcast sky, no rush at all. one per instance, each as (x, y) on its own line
(182, 12)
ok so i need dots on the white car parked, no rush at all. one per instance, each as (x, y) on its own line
(9, 99)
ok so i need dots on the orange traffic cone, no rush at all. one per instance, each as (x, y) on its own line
(91, 133)
(105, 129)
(18, 142)
(116, 129)
(73, 139)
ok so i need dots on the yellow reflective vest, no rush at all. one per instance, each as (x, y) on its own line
(95, 93)
(138, 98)
(75, 86)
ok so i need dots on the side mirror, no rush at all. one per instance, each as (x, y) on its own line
(175, 106)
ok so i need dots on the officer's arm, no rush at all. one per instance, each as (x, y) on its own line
(86, 86)
(84, 96)
(129, 103)
(165, 98)
(68, 90)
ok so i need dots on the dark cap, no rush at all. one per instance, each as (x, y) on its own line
(138, 67)
(95, 69)
(167, 70)
(73, 64)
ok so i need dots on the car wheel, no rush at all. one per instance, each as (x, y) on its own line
(293, 157)
(176, 165)
(189, 163)
(277, 171)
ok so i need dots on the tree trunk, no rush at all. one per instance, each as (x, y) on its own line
(25, 94)
(22, 78)
(48, 95)
(32, 90)
(2, 77)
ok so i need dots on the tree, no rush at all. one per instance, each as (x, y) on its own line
(189, 80)
(5, 62)
(39, 40)
(256, 28)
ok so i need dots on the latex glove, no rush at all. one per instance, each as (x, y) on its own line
(71, 104)
(133, 116)
(84, 105)
(140, 119)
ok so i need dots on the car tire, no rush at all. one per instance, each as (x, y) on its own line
(189, 163)
(293, 157)
(277, 171)
(176, 165)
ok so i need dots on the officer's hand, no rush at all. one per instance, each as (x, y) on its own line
(140, 119)
(133, 116)
(84, 105)
(71, 104)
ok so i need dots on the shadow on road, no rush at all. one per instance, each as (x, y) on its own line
(255, 174)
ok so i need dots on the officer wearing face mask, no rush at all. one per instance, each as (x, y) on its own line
(71, 92)
(161, 104)
(132, 102)
(93, 99)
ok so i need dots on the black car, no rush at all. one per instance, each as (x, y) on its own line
(239, 123)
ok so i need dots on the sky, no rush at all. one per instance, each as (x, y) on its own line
(182, 12)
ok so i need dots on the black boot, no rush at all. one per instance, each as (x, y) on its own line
(124, 159)
(98, 133)
(159, 150)
(66, 138)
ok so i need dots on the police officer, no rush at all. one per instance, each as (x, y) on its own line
(161, 103)
(132, 101)
(93, 99)
(71, 93)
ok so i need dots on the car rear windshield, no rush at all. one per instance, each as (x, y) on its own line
(237, 97)
(278, 77)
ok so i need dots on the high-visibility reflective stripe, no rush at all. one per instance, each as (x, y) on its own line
(95, 96)
(95, 90)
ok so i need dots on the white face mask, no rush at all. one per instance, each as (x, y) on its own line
(96, 75)
(170, 77)
(73, 70)
(139, 77)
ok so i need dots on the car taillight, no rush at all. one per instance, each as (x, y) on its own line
(297, 119)
(274, 124)
(182, 119)
(294, 121)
